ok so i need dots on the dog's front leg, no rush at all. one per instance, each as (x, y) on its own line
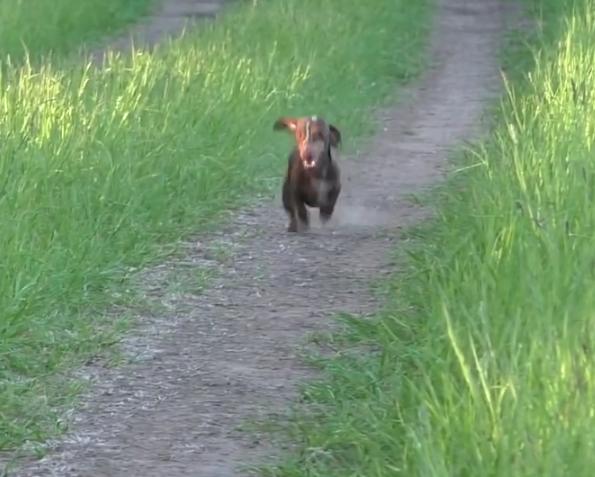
(302, 213)
(289, 205)
(328, 206)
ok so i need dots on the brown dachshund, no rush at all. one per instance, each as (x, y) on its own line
(313, 176)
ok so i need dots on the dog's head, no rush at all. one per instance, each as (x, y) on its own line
(313, 136)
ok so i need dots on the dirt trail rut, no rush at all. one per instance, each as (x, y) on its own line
(209, 360)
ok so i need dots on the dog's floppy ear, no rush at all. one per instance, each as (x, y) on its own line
(285, 123)
(335, 136)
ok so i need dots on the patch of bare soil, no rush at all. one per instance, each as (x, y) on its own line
(212, 358)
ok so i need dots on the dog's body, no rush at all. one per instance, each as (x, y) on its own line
(313, 176)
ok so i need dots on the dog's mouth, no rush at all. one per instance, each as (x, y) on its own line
(308, 160)
(312, 153)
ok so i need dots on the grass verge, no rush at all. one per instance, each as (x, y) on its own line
(58, 26)
(99, 167)
(485, 354)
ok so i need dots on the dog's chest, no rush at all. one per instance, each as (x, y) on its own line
(316, 193)
(321, 187)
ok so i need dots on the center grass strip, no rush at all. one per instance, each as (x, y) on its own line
(484, 362)
(37, 27)
(97, 168)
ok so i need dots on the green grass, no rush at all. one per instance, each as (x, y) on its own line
(484, 361)
(58, 26)
(98, 168)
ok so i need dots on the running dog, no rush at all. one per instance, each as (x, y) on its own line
(313, 175)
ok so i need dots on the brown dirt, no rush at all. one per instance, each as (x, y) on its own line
(209, 360)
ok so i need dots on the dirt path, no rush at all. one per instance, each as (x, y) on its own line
(168, 19)
(207, 361)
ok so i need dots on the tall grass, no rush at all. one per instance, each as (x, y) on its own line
(485, 362)
(37, 27)
(98, 167)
